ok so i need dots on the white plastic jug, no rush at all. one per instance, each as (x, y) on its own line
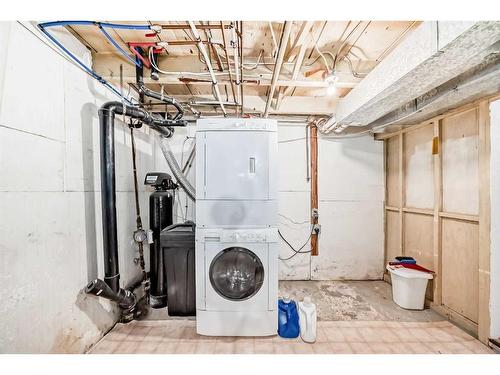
(307, 319)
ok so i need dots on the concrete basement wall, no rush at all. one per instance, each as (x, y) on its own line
(351, 198)
(50, 222)
(495, 220)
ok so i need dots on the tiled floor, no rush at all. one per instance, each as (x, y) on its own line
(333, 337)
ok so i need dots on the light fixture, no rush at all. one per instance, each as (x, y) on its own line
(331, 78)
(331, 89)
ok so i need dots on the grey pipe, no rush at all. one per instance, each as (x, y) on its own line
(176, 170)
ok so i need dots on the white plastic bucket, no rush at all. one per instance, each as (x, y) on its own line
(408, 287)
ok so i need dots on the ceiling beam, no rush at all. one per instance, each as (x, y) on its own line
(108, 65)
(249, 81)
(291, 105)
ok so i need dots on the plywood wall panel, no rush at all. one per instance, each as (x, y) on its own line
(393, 234)
(418, 241)
(459, 135)
(392, 181)
(460, 274)
(418, 167)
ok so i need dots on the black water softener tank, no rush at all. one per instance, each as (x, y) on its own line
(161, 204)
(177, 242)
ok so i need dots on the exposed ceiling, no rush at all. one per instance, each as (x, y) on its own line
(301, 87)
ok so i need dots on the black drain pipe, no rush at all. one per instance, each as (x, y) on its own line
(110, 287)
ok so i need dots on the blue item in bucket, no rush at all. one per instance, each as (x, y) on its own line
(288, 319)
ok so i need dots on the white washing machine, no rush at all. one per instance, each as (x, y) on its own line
(237, 282)
(236, 227)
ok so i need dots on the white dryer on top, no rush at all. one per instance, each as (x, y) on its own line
(236, 173)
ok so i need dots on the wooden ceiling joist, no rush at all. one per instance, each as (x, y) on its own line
(257, 58)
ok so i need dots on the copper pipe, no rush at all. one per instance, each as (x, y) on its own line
(189, 42)
(313, 131)
(199, 27)
(199, 80)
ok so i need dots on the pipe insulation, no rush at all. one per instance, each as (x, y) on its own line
(176, 170)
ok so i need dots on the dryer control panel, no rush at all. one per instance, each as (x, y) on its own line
(238, 235)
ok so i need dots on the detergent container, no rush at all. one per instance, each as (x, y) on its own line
(307, 320)
(288, 319)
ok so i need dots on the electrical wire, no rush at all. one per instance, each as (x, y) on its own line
(323, 57)
(299, 251)
(351, 68)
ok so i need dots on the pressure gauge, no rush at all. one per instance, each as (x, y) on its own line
(140, 235)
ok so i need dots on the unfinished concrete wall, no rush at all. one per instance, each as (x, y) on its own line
(351, 194)
(50, 226)
(495, 220)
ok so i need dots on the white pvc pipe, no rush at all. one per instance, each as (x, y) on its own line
(275, 45)
(203, 51)
(279, 62)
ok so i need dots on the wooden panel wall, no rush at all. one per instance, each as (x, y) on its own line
(418, 168)
(460, 241)
(437, 209)
(392, 162)
(392, 236)
(459, 139)
(418, 240)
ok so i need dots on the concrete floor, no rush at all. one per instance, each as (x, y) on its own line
(354, 300)
(342, 300)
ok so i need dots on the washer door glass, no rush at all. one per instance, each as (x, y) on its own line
(236, 273)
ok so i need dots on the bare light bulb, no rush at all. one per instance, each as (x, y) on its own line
(332, 79)
(331, 89)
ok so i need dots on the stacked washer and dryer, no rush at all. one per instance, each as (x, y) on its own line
(237, 227)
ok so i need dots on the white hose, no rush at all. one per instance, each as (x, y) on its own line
(176, 170)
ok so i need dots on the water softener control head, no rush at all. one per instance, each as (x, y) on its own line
(160, 181)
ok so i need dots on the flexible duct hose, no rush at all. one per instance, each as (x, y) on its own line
(176, 170)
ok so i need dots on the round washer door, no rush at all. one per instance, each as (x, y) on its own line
(236, 273)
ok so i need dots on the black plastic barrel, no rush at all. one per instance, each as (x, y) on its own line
(177, 242)
(160, 216)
